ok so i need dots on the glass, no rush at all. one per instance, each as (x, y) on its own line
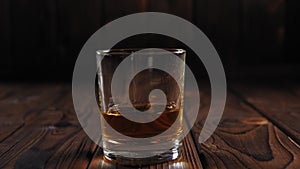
(156, 114)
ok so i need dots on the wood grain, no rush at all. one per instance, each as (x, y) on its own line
(295, 89)
(63, 144)
(277, 102)
(244, 139)
(77, 152)
(39, 129)
(24, 132)
(26, 101)
(48, 135)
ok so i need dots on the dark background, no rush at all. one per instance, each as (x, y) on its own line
(40, 39)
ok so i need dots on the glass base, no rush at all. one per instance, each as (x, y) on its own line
(117, 157)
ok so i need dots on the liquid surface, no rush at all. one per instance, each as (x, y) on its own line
(130, 128)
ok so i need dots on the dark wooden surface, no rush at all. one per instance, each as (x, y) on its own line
(259, 129)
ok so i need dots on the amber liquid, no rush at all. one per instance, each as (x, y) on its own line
(130, 128)
(160, 133)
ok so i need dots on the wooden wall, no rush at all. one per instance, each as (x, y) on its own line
(40, 39)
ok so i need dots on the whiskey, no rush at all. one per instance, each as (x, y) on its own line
(152, 137)
(130, 128)
(153, 134)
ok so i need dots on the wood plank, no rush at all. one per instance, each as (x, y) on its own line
(189, 159)
(7, 91)
(50, 137)
(14, 100)
(34, 103)
(56, 141)
(64, 143)
(75, 153)
(20, 104)
(296, 89)
(279, 103)
(244, 139)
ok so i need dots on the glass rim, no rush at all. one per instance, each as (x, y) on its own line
(128, 51)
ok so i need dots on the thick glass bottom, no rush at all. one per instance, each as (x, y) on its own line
(124, 158)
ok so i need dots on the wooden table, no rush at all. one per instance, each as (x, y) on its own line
(260, 128)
